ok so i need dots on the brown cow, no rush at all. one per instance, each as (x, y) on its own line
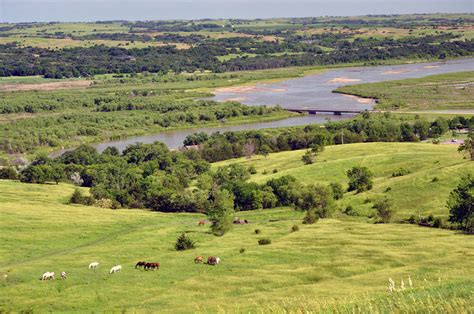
(198, 259)
(153, 266)
(140, 264)
(201, 222)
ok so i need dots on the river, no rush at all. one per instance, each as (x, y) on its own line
(312, 91)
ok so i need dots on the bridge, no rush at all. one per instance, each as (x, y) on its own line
(334, 111)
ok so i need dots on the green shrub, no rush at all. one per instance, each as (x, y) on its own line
(400, 172)
(242, 250)
(184, 243)
(9, 173)
(258, 231)
(435, 179)
(275, 170)
(252, 170)
(295, 228)
(337, 190)
(264, 241)
(310, 218)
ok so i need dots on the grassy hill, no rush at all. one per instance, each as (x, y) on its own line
(413, 194)
(336, 264)
(444, 91)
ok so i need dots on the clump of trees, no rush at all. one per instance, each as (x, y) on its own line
(461, 204)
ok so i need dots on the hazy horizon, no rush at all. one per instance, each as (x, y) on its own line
(15, 11)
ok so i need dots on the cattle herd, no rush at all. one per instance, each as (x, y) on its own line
(211, 260)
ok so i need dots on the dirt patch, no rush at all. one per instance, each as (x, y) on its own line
(431, 67)
(390, 72)
(45, 86)
(279, 90)
(360, 100)
(343, 79)
(237, 99)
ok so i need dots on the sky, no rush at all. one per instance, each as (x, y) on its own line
(100, 10)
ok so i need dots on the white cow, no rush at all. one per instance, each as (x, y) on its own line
(218, 260)
(48, 275)
(115, 269)
(93, 265)
(63, 275)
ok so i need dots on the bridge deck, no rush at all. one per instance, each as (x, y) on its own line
(324, 110)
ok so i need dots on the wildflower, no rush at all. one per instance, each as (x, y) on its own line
(410, 283)
(402, 285)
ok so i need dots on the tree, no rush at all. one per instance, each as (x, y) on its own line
(308, 157)
(220, 211)
(316, 200)
(468, 146)
(461, 204)
(248, 149)
(184, 243)
(265, 150)
(384, 211)
(360, 179)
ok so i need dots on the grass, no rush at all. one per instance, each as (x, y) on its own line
(333, 265)
(412, 194)
(445, 91)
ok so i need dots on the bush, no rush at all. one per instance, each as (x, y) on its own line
(295, 228)
(184, 243)
(265, 172)
(258, 231)
(337, 190)
(349, 210)
(400, 172)
(252, 170)
(275, 170)
(388, 189)
(78, 198)
(435, 179)
(264, 241)
(242, 250)
(310, 218)
(9, 173)
(384, 211)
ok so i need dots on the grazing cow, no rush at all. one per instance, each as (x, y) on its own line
(153, 266)
(63, 275)
(201, 222)
(218, 260)
(140, 264)
(115, 269)
(198, 259)
(93, 265)
(241, 222)
(48, 275)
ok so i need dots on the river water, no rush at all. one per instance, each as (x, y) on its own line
(312, 91)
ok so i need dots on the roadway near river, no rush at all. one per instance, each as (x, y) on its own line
(312, 91)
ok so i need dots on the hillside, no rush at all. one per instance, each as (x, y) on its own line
(414, 193)
(337, 264)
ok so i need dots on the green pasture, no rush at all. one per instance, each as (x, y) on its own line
(444, 91)
(411, 194)
(333, 265)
